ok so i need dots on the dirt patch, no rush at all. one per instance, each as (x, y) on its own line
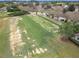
(64, 39)
(3, 22)
(15, 36)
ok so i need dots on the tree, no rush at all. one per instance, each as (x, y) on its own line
(67, 29)
(70, 8)
(76, 27)
(12, 8)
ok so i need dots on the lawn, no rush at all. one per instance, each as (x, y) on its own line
(39, 34)
(3, 14)
(36, 32)
(4, 38)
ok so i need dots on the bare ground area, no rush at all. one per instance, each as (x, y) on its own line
(15, 36)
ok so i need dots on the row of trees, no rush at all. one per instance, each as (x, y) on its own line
(14, 10)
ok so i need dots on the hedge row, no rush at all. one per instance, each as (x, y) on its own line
(18, 13)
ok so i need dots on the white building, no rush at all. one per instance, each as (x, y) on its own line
(3, 9)
(77, 36)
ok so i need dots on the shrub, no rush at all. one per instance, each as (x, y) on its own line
(71, 8)
(18, 13)
(76, 28)
(12, 9)
(67, 29)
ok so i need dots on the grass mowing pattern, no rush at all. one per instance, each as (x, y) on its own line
(55, 47)
(44, 23)
(49, 26)
(35, 32)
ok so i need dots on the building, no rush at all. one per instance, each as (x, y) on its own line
(77, 36)
(3, 9)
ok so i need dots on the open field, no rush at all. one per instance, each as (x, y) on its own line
(37, 35)
(38, 38)
(4, 38)
(39, 30)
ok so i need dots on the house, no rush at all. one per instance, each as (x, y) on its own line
(75, 39)
(3, 9)
(73, 16)
(61, 19)
(77, 36)
(59, 15)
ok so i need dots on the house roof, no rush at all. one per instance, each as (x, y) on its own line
(77, 34)
(72, 16)
(56, 11)
(69, 15)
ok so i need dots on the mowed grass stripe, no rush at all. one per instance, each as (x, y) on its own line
(49, 26)
(44, 23)
(37, 33)
(4, 39)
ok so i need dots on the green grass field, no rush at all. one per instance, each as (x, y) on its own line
(36, 32)
(40, 33)
(43, 32)
(4, 38)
